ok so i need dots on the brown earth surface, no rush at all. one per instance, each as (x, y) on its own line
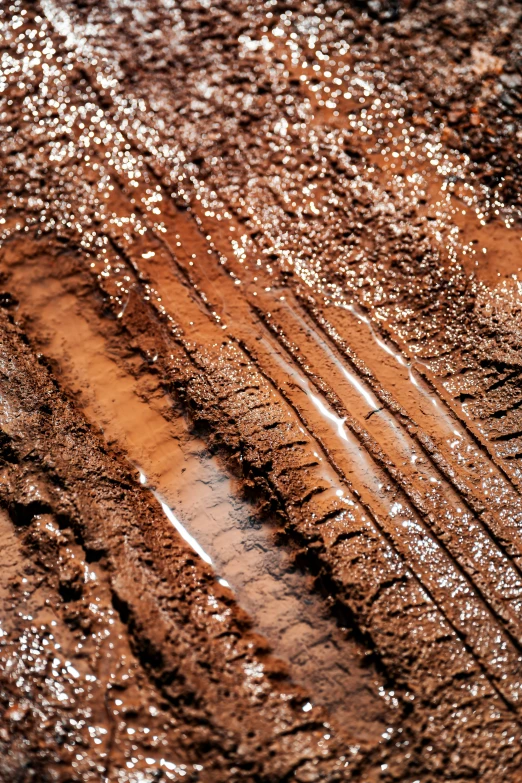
(260, 391)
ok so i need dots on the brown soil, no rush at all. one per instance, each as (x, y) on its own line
(260, 400)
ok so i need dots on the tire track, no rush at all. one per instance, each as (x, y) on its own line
(152, 208)
(326, 519)
(477, 618)
(152, 143)
(134, 414)
(444, 439)
(154, 581)
(413, 468)
(508, 589)
(280, 407)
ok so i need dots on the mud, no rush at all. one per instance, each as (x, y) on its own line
(260, 400)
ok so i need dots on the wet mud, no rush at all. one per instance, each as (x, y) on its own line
(260, 398)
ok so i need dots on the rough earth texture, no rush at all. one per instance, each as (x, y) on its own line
(260, 391)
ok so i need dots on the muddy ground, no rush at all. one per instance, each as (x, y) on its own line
(260, 391)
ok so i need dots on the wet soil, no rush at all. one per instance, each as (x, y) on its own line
(260, 400)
